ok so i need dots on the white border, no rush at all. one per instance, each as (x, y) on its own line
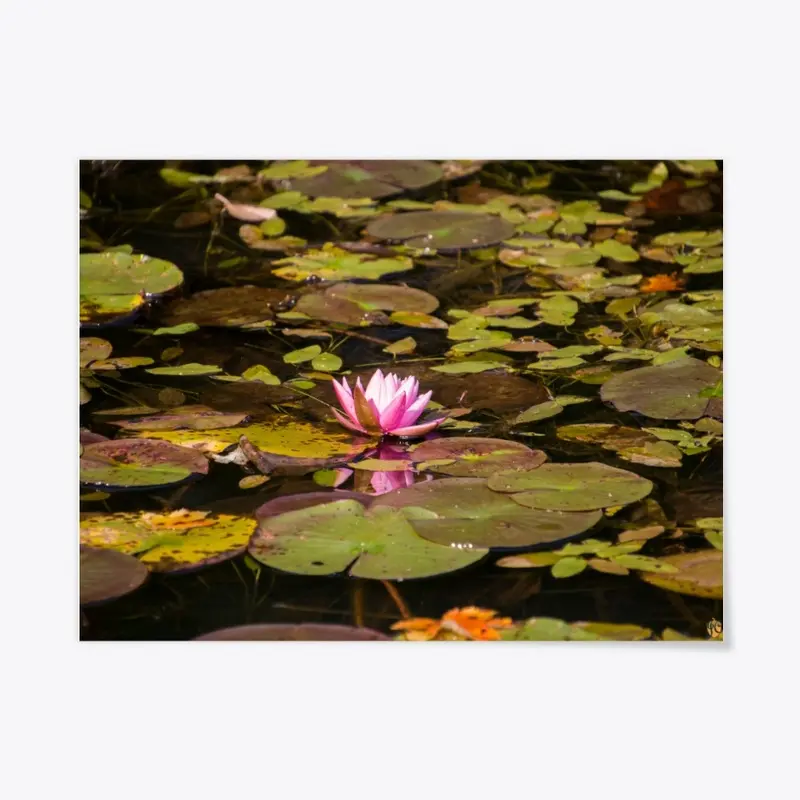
(505, 80)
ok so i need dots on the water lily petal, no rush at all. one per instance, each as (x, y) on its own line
(418, 430)
(345, 395)
(415, 409)
(393, 412)
(347, 423)
(374, 387)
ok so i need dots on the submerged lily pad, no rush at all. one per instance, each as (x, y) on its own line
(307, 632)
(442, 230)
(107, 574)
(175, 542)
(113, 283)
(699, 574)
(474, 457)
(465, 513)
(228, 307)
(668, 391)
(572, 487)
(376, 543)
(384, 296)
(138, 464)
(354, 179)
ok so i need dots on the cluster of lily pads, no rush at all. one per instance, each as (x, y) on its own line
(394, 511)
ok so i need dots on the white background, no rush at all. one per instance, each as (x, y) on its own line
(434, 79)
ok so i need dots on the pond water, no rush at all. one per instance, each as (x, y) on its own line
(565, 316)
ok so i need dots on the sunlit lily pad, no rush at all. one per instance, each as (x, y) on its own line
(175, 542)
(376, 543)
(700, 574)
(107, 574)
(548, 629)
(669, 391)
(307, 632)
(354, 179)
(114, 284)
(441, 230)
(228, 307)
(465, 513)
(474, 457)
(195, 418)
(294, 502)
(572, 487)
(384, 296)
(94, 349)
(633, 444)
(138, 464)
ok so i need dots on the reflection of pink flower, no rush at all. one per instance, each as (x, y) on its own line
(388, 406)
(389, 480)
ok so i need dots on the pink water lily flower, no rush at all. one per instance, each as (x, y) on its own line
(388, 406)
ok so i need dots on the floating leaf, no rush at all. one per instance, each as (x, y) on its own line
(441, 230)
(186, 370)
(572, 487)
(475, 457)
(106, 575)
(378, 543)
(669, 391)
(302, 355)
(219, 537)
(177, 330)
(261, 373)
(416, 319)
(611, 248)
(332, 263)
(466, 367)
(196, 418)
(699, 574)
(401, 346)
(633, 444)
(228, 307)
(307, 632)
(464, 513)
(138, 464)
(120, 363)
(327, 362)
(93, 349)
(384, 296)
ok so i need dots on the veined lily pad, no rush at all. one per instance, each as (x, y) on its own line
(376, 543)
(474, 457)
(114, 283)
(175, 542)
(442, 230)
(572, 487)
(106, 575)
(465, 513)
(228, 307)
(353, 179)
(138, 464)
(384, 296)
(669, 391)
(699, 574)
(307, 632)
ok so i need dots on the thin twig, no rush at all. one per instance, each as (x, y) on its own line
(398, 600)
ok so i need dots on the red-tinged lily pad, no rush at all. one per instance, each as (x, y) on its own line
(228, 307)
(670, 391)
(107, 575)
(194, 418)
(329, 308)
(463, 513)
(475, 457)
(179, 541)
(308, 632)
(377, 543)
(699, 574)
(572, 487)
(384, 296)
(355, 179)
(442, 230)
(138, 464)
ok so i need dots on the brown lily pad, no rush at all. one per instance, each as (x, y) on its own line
(228, 307)
(107, 575)
(308, 632)
(699, 574)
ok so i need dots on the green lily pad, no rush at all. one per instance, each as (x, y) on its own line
(228, 307)
(467, 367)
(377, 543)
(699, 574)
(176, 542)
(138, 464)
(307, 632)
(441, 230)
(547, 629)
(668, 391)
(332, 263)
(384, 296)
(114, 283)
(186, 370)
(107, 575)
(416, 319)
(633, 444)
(338, 309)
(354, 179)
(94, 349)
(120, 363)
(294, 502)
(572, 487)
(465, 513)
(474, 457)
(194, 418)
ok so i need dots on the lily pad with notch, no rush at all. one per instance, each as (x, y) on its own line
(572, 487)
(465, 513)
(442, 230)
(139, 464)
(377, 543)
